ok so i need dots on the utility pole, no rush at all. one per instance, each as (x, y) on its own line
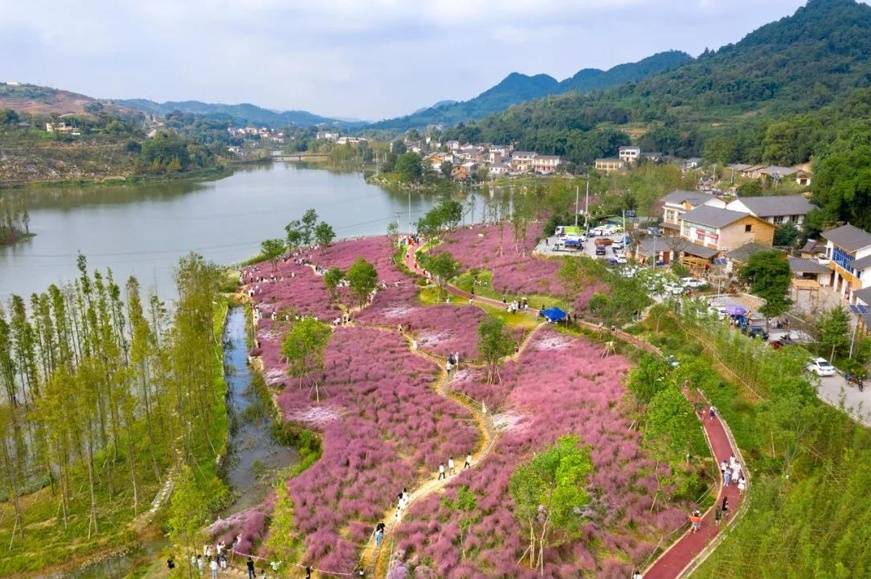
(587, 208)
(577, 203)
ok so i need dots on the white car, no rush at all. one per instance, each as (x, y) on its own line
(674, 289)
(821, 367)
(620, 259)
(692, 282)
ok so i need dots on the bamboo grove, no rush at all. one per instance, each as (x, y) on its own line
(104, 394)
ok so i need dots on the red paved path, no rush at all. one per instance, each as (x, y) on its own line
(683, 552)
(673, 561)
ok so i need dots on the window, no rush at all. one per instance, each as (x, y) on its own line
(748, 228)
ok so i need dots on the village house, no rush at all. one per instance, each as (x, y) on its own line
(610, 165)
(500, 170)
(453, 145)
(521, 161)
(546, 164)
(60, 127)
(724, 230)
(848, 250)
(801, 175)
(677, 203)
(629, 155)
(777, 210)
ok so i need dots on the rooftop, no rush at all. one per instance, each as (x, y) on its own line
(742, 254)
(713, 216)
(777, 205)
(695, 197)
(798, 265)
(864, 295)
(848, 237)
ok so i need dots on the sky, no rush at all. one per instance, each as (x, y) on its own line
(366, 59)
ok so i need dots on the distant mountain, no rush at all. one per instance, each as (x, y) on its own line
(43, 100)
(517, 88)
(818, 57)
(244, 113)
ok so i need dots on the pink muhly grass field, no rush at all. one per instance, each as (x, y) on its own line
(439, 329)
(515, 270)
(392, 430)
(561, 385)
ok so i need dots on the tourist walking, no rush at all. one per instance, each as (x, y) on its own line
(379, 534)
(696, 521)
(451, 468)
(213, 568)
(725, 506)
(718, 516)
(468, 463)
(250, 566)
(742, 484)
(442, 472)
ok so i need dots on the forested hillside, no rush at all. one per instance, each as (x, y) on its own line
(517, 88)
(241, 114)
(798, 64)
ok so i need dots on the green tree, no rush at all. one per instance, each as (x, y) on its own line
(362, 279)
(842, 179)
(308, 224)
(447, 169)
(305, 347)
(324, 234)
(332, 278)
(769, 277)
(670, 418)
(494, 343)
(188, 515)
(548, 493)
(444, 267)
(271, 250)
(409, 167)
(833, 329)
(786, 235)
(393, 230)
(295, 235)
(648, 378)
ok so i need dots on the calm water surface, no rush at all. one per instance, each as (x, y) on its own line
(142, 230)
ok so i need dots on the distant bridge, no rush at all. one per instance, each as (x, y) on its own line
(299, 157)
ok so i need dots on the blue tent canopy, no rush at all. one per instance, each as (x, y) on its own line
(554, 314)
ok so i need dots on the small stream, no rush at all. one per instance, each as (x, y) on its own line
(254, 456)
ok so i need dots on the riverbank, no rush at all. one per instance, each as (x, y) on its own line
(210, 174)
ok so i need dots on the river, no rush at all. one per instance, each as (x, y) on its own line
(143, 229)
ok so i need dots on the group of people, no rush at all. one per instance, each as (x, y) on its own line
(451, 467)
(732, 473)
(520, 305)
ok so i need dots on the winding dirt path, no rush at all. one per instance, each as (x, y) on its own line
(375, 560)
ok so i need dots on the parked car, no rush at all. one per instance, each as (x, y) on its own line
(600, 250)
(820, 367)
(620, 259)
(692, 282)
(618, 244)
(757, 332)
(674, 289)
(781, 342)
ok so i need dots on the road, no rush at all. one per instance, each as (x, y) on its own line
(835, 389)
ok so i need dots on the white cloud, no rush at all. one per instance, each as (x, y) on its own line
(369, 58)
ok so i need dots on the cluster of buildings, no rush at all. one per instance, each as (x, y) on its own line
(497, 160)
(339, 138)
(628, 157)
(701, 230)
(261, 133)
(774, 173)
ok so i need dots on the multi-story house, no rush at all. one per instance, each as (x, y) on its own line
(848, 250)
(724, 230)
(629, 155)
(677, 203)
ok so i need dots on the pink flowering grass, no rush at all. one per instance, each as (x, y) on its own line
(439, 329)
(392, 429)
(514, 267)
(561, 385)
